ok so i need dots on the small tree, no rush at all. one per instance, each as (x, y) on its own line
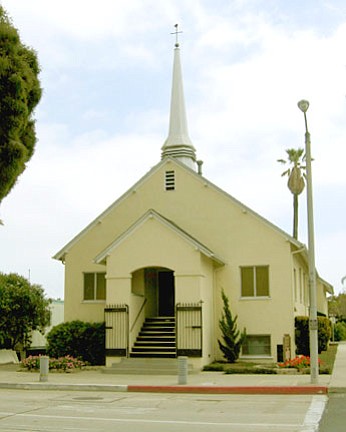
(23, 308)
(232, 338)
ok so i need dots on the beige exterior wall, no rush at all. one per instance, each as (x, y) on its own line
(224, 225)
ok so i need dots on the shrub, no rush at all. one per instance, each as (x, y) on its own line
(64, 364)
(339, 331)
(324, 333)
(302, 338)
(214, 367)
(78, 339)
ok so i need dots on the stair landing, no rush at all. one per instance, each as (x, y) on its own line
(146, 366)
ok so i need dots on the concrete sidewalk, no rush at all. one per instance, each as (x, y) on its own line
(203, 382)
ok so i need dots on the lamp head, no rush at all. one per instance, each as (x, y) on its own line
(303, 105)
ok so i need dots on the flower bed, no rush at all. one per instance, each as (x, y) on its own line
(62, 364)
(300, 362)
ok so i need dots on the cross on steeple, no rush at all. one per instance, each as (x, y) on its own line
(176, 35)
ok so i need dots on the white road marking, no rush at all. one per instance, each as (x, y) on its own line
(314, 414)
(282, 426)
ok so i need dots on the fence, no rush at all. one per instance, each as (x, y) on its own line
(117, 330)
(189, 329)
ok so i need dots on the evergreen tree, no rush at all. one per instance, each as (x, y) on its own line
(232, 338)
(20, 92)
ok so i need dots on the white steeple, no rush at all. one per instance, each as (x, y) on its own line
(178, 143)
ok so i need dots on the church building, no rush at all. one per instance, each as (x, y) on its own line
(153, 265)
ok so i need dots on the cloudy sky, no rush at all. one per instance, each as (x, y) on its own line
(106, 73)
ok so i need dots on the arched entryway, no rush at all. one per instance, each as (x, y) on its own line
(155, 314)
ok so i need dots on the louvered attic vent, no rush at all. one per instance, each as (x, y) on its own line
(170, 180)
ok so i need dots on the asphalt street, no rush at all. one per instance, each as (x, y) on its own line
(334, 416)
(51, 411)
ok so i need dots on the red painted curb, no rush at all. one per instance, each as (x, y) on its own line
(230, 390)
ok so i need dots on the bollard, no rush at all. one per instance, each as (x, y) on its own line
(182, 370)
(44, 368)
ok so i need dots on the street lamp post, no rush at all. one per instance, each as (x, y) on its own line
(313, 323)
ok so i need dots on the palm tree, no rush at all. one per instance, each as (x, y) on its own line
(296, 181)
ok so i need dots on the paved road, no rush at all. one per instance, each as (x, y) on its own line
(51, 411)
(334, 417)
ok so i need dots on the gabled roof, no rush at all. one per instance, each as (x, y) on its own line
(150, 214)
(61, 254)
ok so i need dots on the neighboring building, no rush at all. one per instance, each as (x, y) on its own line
(168, 246)
(38, 340)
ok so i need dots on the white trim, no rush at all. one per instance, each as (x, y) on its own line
(152, 214)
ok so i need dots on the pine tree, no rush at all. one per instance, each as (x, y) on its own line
(232, 338)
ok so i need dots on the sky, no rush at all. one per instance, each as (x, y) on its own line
(106, 71)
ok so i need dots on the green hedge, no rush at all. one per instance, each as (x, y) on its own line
(339, 331)
(302, 334)
(78, 339)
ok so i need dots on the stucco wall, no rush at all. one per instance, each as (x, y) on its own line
(224, 225)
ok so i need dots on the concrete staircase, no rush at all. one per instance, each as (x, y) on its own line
(156, 339)
(153, 353)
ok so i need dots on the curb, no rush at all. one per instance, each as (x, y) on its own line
(65, 387)
(231, 390)
(272, 390)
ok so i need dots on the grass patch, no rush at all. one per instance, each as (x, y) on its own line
(241, 367)
(327, 359)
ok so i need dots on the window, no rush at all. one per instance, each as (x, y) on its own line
(255, 281)
(256, 345)
(170, 180)
(94, 286)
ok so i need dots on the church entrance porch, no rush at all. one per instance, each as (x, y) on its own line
(156, 337)
(161, 317)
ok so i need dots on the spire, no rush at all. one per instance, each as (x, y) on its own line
(178, 143)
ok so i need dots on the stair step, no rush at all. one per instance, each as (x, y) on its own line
(147, 366)
(156, 333)
(152, 349)
(154, 343)
(158, 326)
(159, 354)
(156, 339)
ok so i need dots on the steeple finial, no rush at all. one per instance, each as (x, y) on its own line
(176, 35)
(178, 143)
